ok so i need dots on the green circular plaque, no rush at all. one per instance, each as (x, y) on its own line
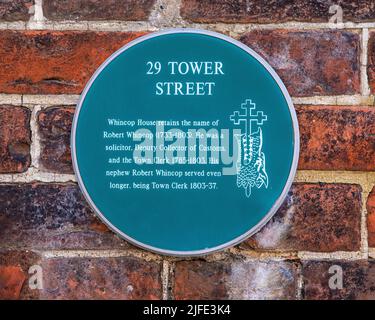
(185, 142)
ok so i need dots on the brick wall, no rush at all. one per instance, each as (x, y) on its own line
(48, 51)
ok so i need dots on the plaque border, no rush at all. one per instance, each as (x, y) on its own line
(275, 206)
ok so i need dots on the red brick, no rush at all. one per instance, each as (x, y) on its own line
(311, 62)
(50, 216)
(14, 266)
(54, 62)
(97, 9)
(54, 127)
(371, 62)
(15, 10)
(358, 280)
(235, 280)
(371, 218)
(314, 217)
(15, 139)
(337, 138)
(263, 11)
(79, 277)
(101, 278)
(11, 279)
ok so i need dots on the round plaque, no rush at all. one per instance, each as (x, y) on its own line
(185, 142)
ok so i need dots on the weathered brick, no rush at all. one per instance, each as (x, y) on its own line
(371, 62)
(358, 280)
(263, 11)
(101, 278)
(50, 216)
(337, 138)
(311, 62)
(15, 10)
(235, 280)
(371, 218)
(97, 9)
(54, 62)
(79, 277)
(15, 139)
(314, 217)
(11, 281)
(54, 127)
(14, 276)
